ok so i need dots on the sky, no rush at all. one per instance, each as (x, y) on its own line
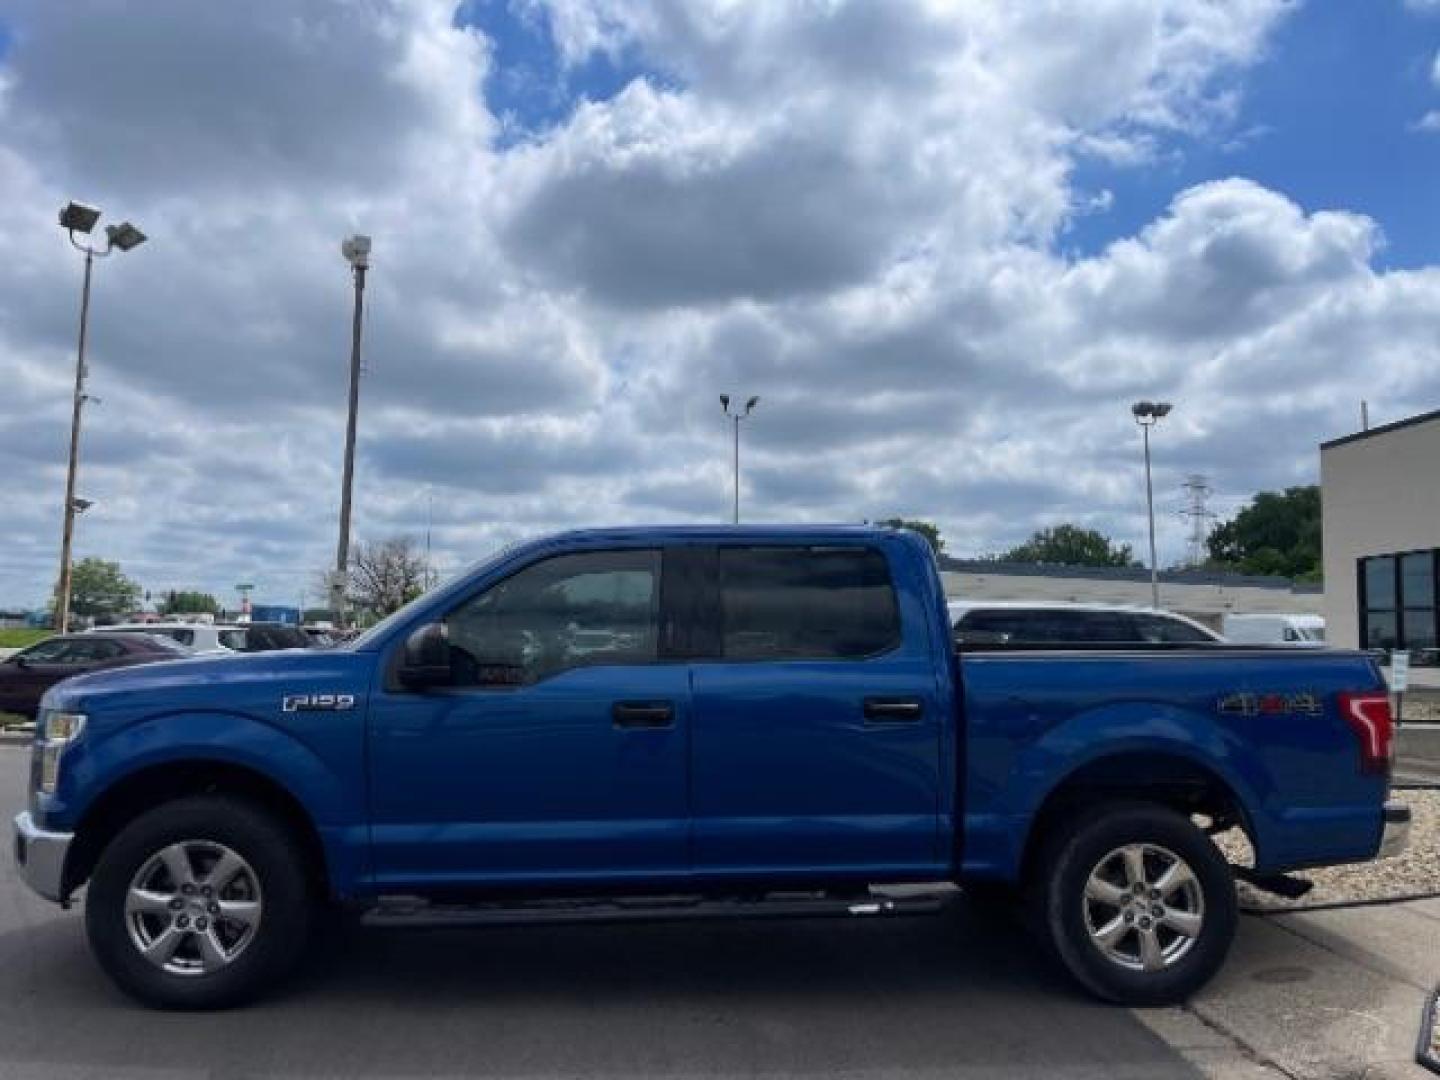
(946, 243)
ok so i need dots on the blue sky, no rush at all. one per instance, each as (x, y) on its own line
(1327, 117)
(529, 87)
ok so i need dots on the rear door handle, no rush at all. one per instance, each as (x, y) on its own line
(893, 710)
(642, 714)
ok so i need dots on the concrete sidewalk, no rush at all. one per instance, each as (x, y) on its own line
(1318, 995)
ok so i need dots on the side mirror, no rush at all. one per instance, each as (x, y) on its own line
(425, 660)
(21, 662)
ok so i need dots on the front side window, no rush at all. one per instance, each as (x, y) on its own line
(580, 610)
(794, 603)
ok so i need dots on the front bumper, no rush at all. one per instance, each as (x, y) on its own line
(40, 857)
(1396, 836)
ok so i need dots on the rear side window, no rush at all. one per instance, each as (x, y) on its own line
(795, 603)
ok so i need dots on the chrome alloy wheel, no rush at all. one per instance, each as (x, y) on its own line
(1143, 906)
(193, 907)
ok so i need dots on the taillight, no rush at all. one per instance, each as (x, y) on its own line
(1369, 716)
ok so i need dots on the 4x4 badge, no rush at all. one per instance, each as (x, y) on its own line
(1250, 704)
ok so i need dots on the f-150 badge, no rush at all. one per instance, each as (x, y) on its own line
(317, 702)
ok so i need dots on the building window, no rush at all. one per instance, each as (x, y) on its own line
(1398, 603)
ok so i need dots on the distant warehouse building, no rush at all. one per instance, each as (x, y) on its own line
(1203, 596)
(1381, 493)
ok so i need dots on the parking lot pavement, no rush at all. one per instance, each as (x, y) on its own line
(953, 996)
(1327, 993)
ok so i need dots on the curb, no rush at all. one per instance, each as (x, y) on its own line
(16, 738)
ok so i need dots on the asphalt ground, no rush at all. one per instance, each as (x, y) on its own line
(953, 996)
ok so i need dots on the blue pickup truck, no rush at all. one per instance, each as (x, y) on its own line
(665, 721)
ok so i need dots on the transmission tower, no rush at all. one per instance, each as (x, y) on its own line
(1198, 513)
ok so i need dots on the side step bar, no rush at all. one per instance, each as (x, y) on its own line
(409, 911)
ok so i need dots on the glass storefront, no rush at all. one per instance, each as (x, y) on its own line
(1399, 603)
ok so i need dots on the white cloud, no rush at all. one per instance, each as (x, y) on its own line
(854, 210)
(1430, 122)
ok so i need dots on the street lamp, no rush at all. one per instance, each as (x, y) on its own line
(1147, 414)
(356, 250)
(737, 416)
(78, 218)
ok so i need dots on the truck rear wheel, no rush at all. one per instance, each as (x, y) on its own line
(200, 903)
(1137, 903)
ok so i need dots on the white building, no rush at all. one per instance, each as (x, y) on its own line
(1203, 596)
(1381, 495)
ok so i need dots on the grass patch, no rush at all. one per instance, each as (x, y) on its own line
(9, 720)
(22, 637)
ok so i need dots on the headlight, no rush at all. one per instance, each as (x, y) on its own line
(57, 731)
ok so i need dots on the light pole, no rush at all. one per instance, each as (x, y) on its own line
(737, 416)
(79, 218)
(357, 252)
(1147, 414)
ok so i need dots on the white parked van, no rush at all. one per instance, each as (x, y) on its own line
(1305, 631)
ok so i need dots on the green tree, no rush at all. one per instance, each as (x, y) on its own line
(927, 529)
(98, 587)
(1278, 533)
(1070, 545)
(189, 602)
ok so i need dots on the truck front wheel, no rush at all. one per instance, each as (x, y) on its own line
(1137, 902)
(200, 903)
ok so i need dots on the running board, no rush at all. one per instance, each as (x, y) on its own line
(410, 911)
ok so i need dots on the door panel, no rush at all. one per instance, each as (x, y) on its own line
(538, 782)
(825, 762)
(789, 773)
(559, 752)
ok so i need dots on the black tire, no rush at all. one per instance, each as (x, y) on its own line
(1059, 910)
(276, 942)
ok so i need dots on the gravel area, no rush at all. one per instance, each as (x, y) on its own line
(1420, 710)
(1413, 874)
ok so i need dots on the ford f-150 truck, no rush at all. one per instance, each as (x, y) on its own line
(663, 721)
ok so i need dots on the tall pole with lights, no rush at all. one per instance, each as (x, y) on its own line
(357, 252)
(1147, 414)
(79, 218)
(735, 417)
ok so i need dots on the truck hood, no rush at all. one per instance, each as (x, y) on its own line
(256, 683)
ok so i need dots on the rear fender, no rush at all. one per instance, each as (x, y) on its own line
(1047, 762)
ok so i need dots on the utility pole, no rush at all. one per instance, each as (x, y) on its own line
(737, 416)
(1147, 414)
(357, 251)
(77, 217)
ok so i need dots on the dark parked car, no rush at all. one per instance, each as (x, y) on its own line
(25, 676)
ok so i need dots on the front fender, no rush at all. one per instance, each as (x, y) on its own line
(322, 774)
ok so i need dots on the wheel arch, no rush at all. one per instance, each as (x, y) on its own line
(1158, 776)
(153, 785)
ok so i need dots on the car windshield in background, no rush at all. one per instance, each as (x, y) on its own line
(165, 643)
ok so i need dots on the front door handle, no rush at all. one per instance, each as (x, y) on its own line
(642, 714)
(893, 710)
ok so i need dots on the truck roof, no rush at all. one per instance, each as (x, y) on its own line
(722, 532)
